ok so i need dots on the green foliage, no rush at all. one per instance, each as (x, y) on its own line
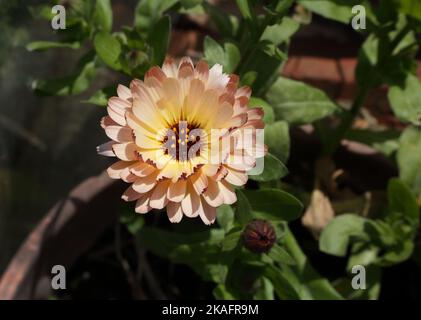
(228, 57)
(405, 100)
(280, 32)
(73, 84)
(277, 139)
(45, 45)
(108, 49)
(339, 10)
(273, 169)
(254, 44)
(148, 12)
(380, 242)
(103, 15)
(264, 201)
(269, 115)
(409, 158)
(296, 102)
(132, 50)
(245, 9)
(410, 7)
(160, 44)
(100, 97)
(337, 235)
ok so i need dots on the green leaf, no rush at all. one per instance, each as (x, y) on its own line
(160, 43)
(108, 49)
(410, 7)
(181, 246)
(309, 283)
(225, 217)
(265, 291)
(286, 284)
(232, 239)
(336, 236)
(269, 115)
(274, 169)
(373, 277)
(245, 274)
(249, 78)
(228, 57)
(70, 85)
(387, 57)
(232, 57)
(280, 255)
(339, 10)
(168, 240)
(281, 32)
(366, 72)
(263, 66)
(214, 53)
(278, 8)
(297, 102)
(243, 209)
(245, 9)
(409, 158)
(274, 204)
(148, 12)
(100, 97)
(362, 253)
(222, 293)
(405, 101)
(401, 199)
(277, 139)
(45, 45)
(103, 16)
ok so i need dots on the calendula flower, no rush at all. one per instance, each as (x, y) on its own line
(184, 138)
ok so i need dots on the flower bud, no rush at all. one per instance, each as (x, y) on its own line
(259, 236)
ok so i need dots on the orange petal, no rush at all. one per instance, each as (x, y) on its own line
(174, 212)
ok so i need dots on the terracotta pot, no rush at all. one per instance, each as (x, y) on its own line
(67, 231)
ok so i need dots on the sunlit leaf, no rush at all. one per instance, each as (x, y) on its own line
(277, 139)
(274, 204)
(109, 49)
(269, 115)
(227, 56)
(103, 15)
(273, 169)
(336, 236)
(409, 158)
(405, 101)
(45, 45)
(401, 199)
(340, 10)
(297, 102)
